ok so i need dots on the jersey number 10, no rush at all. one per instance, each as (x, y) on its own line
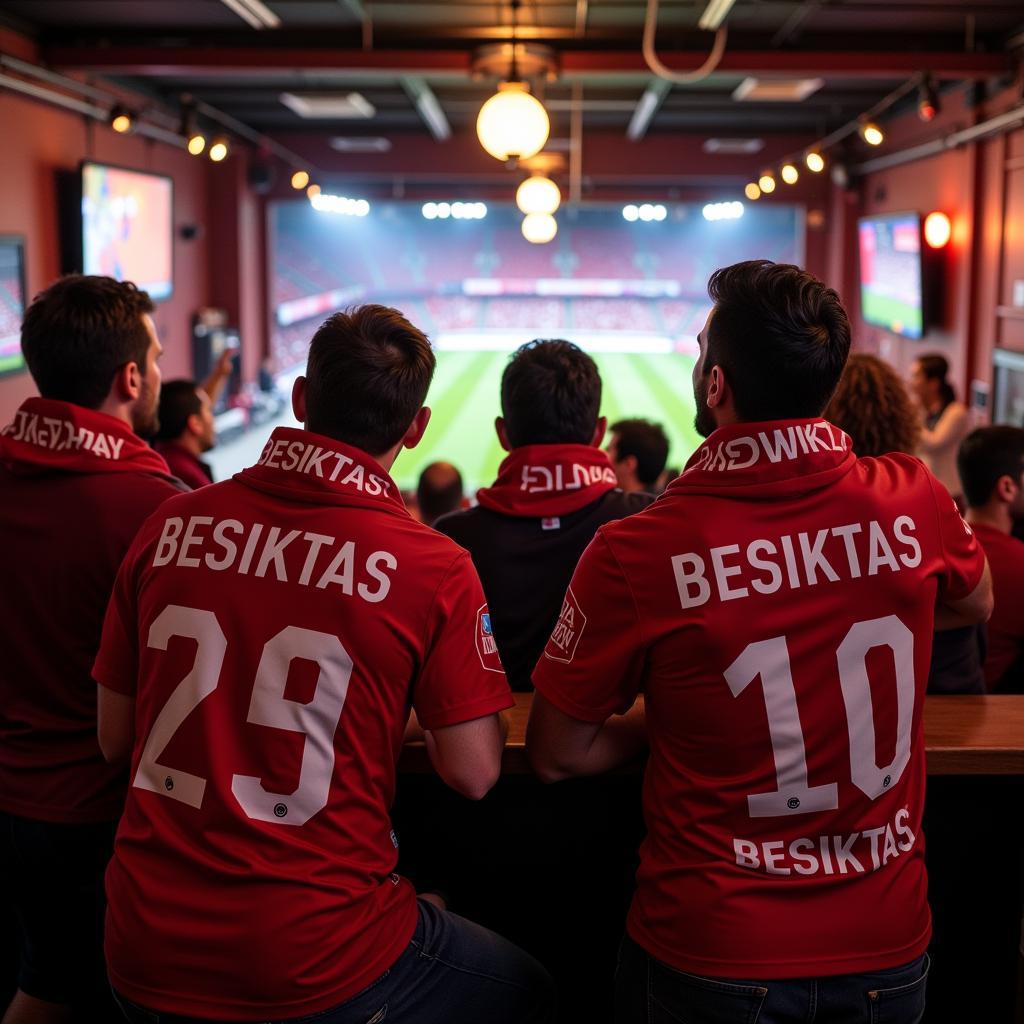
(769, 659)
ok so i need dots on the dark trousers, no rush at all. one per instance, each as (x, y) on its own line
(649, 992)
(53, 877)
(452, 972)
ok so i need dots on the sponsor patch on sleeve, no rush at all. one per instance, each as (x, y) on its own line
(567, 632)
(486, 648)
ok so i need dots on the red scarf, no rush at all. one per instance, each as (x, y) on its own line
(767, 459)
(542, 480)
(301, 465)
(47, 435)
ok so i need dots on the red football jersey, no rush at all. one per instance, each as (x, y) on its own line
(775, 607)
(75, 486)
(1006, 627)
(275, 630)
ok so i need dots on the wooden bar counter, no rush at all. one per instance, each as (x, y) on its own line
(976, 735)
(552, 866)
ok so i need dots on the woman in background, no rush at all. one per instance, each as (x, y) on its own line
(872, 405)
(945, 421)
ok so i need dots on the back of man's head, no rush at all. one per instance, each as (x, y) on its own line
(781, 337)
(986, 455)
(439, 491)
(647, 443)
(79, 332)
(179, 399)
(550, 394)
(367, 376)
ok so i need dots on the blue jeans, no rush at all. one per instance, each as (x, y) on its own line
(649, 992)
(452, 971)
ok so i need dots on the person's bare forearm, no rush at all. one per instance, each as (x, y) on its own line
(621, 740)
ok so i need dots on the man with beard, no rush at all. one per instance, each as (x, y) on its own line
(187, 429)
(991, 467)
(76, 482)
(775, 604)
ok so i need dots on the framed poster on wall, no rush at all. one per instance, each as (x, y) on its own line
(12, 302)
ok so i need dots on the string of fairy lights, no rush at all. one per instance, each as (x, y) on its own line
(866, 126)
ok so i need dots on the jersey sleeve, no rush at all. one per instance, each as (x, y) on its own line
(963, 557)
(462, 677)
(592, 665)
(117, 662)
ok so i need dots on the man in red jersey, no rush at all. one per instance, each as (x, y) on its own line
(76, 482)
(187, 429)
(265, 642)
(775, 608)
(991, 467)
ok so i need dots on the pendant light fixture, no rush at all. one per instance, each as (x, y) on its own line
(512, 124)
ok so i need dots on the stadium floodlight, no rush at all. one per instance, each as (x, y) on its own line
(539, 228)
(631, 212)
(538, 194)
(512, 124)
(714, 14)
(324, 202)
(723, 211)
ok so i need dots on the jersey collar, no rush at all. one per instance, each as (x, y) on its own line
(302, 465)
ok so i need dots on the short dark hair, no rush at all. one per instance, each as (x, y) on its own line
(439, 491)
(936, 367)
(367, 376)
(79, 332)
(781, 336)
(179, 399)
(550, 394)
(647, 443)
(985, 455)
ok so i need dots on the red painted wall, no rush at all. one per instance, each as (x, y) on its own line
(980, 186)
(40, 140)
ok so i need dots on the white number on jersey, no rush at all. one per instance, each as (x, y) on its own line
(317, 720)
(769, 660)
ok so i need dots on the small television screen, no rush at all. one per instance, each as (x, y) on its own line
(128, 227)
(12, 303)
(890, 273)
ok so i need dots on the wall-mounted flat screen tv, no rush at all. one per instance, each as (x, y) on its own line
(12, 302)
(890, 273)
(128, 227)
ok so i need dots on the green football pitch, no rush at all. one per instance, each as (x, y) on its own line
(464, 398)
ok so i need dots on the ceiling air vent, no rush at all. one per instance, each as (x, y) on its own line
(332, 105)
(777, 90)
(734, 147)
(360, 144)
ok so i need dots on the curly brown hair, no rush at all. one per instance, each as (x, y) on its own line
(872, 405)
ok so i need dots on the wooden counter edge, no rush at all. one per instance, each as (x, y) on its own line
(964, 735)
